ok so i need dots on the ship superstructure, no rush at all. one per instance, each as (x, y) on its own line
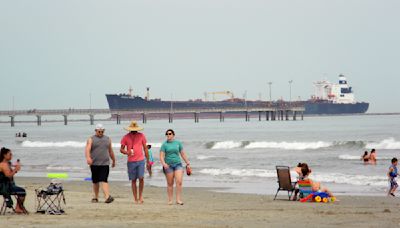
(331, 98)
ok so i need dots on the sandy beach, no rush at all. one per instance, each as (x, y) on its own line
(202, 208)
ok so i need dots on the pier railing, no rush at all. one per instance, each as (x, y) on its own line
(273, 113)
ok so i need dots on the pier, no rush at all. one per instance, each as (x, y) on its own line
(270, 113)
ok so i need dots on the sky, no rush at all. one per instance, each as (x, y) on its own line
(69, 54)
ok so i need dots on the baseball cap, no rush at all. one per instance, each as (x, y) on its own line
(99, 127)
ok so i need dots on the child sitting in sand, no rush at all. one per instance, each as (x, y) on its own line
(316, 186)
(392, 174)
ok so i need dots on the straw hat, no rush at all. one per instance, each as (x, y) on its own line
(133, 127)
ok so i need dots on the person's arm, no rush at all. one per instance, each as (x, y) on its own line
(184, 157)
(183, 154)
(87, 151)
(123, 149)
(112, 156)
(9, 172)
(162, 160)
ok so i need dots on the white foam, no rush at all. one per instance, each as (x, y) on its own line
(240, 172)
(349, 157)
(154, 145)
(353, 157)
(386, 144)
(288, 145)
(54, 144)
(204, 157)
(362, 180)
(339, 178)
(63, 168)
(226, 145)
(73, 144)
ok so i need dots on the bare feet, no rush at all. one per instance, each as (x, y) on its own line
(169, 202)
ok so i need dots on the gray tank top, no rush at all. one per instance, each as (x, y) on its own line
(99, 151)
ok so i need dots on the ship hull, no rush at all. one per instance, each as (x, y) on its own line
(315, 108)
(121, 102)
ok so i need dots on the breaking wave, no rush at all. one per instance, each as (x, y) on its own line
(386, 144)
(354, 157)
(72, 144)
(339, 178)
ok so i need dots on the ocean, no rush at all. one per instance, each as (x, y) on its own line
(232, 156)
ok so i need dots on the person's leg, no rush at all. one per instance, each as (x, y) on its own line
(104, 172)
(178, 183)
(106, 191)
(140, 172)
(18, 208)
(134, 190)
(96, 188)
(141, 186)
(170, 185)
(95, 181)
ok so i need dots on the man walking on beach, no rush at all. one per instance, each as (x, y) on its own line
(133, 144)
(98, 153)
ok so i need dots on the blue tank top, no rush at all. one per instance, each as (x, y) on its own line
(394, 172)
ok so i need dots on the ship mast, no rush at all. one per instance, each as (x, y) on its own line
(130, 91)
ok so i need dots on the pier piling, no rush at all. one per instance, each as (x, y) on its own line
(118, 118)
(12, 121)
(91, 119)
(39, 120)
(65, 119)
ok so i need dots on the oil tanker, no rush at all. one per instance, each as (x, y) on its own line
(329, 98)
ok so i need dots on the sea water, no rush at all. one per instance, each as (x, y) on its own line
(234, 155)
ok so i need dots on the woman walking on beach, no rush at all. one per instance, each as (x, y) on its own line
(170, 156)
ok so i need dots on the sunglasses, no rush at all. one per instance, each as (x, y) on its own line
(169, 134)
(100, 131)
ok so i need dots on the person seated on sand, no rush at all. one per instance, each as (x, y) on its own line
(315, 186)
(365, 157)
(297, 169)
(7, 174)
(372, 157)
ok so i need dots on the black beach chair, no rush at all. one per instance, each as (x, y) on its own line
(284, 181)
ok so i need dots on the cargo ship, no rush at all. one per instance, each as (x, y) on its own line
(329, 99)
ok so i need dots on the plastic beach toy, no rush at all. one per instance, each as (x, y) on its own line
(57, 175)
(88, 179)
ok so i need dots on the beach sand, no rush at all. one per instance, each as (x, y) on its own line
(203, 208)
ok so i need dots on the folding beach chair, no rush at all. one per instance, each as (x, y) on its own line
(48, 200)
(8, 195)
(284, 181)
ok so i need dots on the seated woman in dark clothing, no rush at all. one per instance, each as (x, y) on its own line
(7, 171)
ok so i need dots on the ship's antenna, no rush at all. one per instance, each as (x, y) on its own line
(270, 96)
(148, 94)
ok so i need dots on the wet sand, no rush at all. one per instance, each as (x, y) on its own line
(203, 208)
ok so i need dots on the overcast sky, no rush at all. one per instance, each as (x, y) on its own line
(53, 54)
